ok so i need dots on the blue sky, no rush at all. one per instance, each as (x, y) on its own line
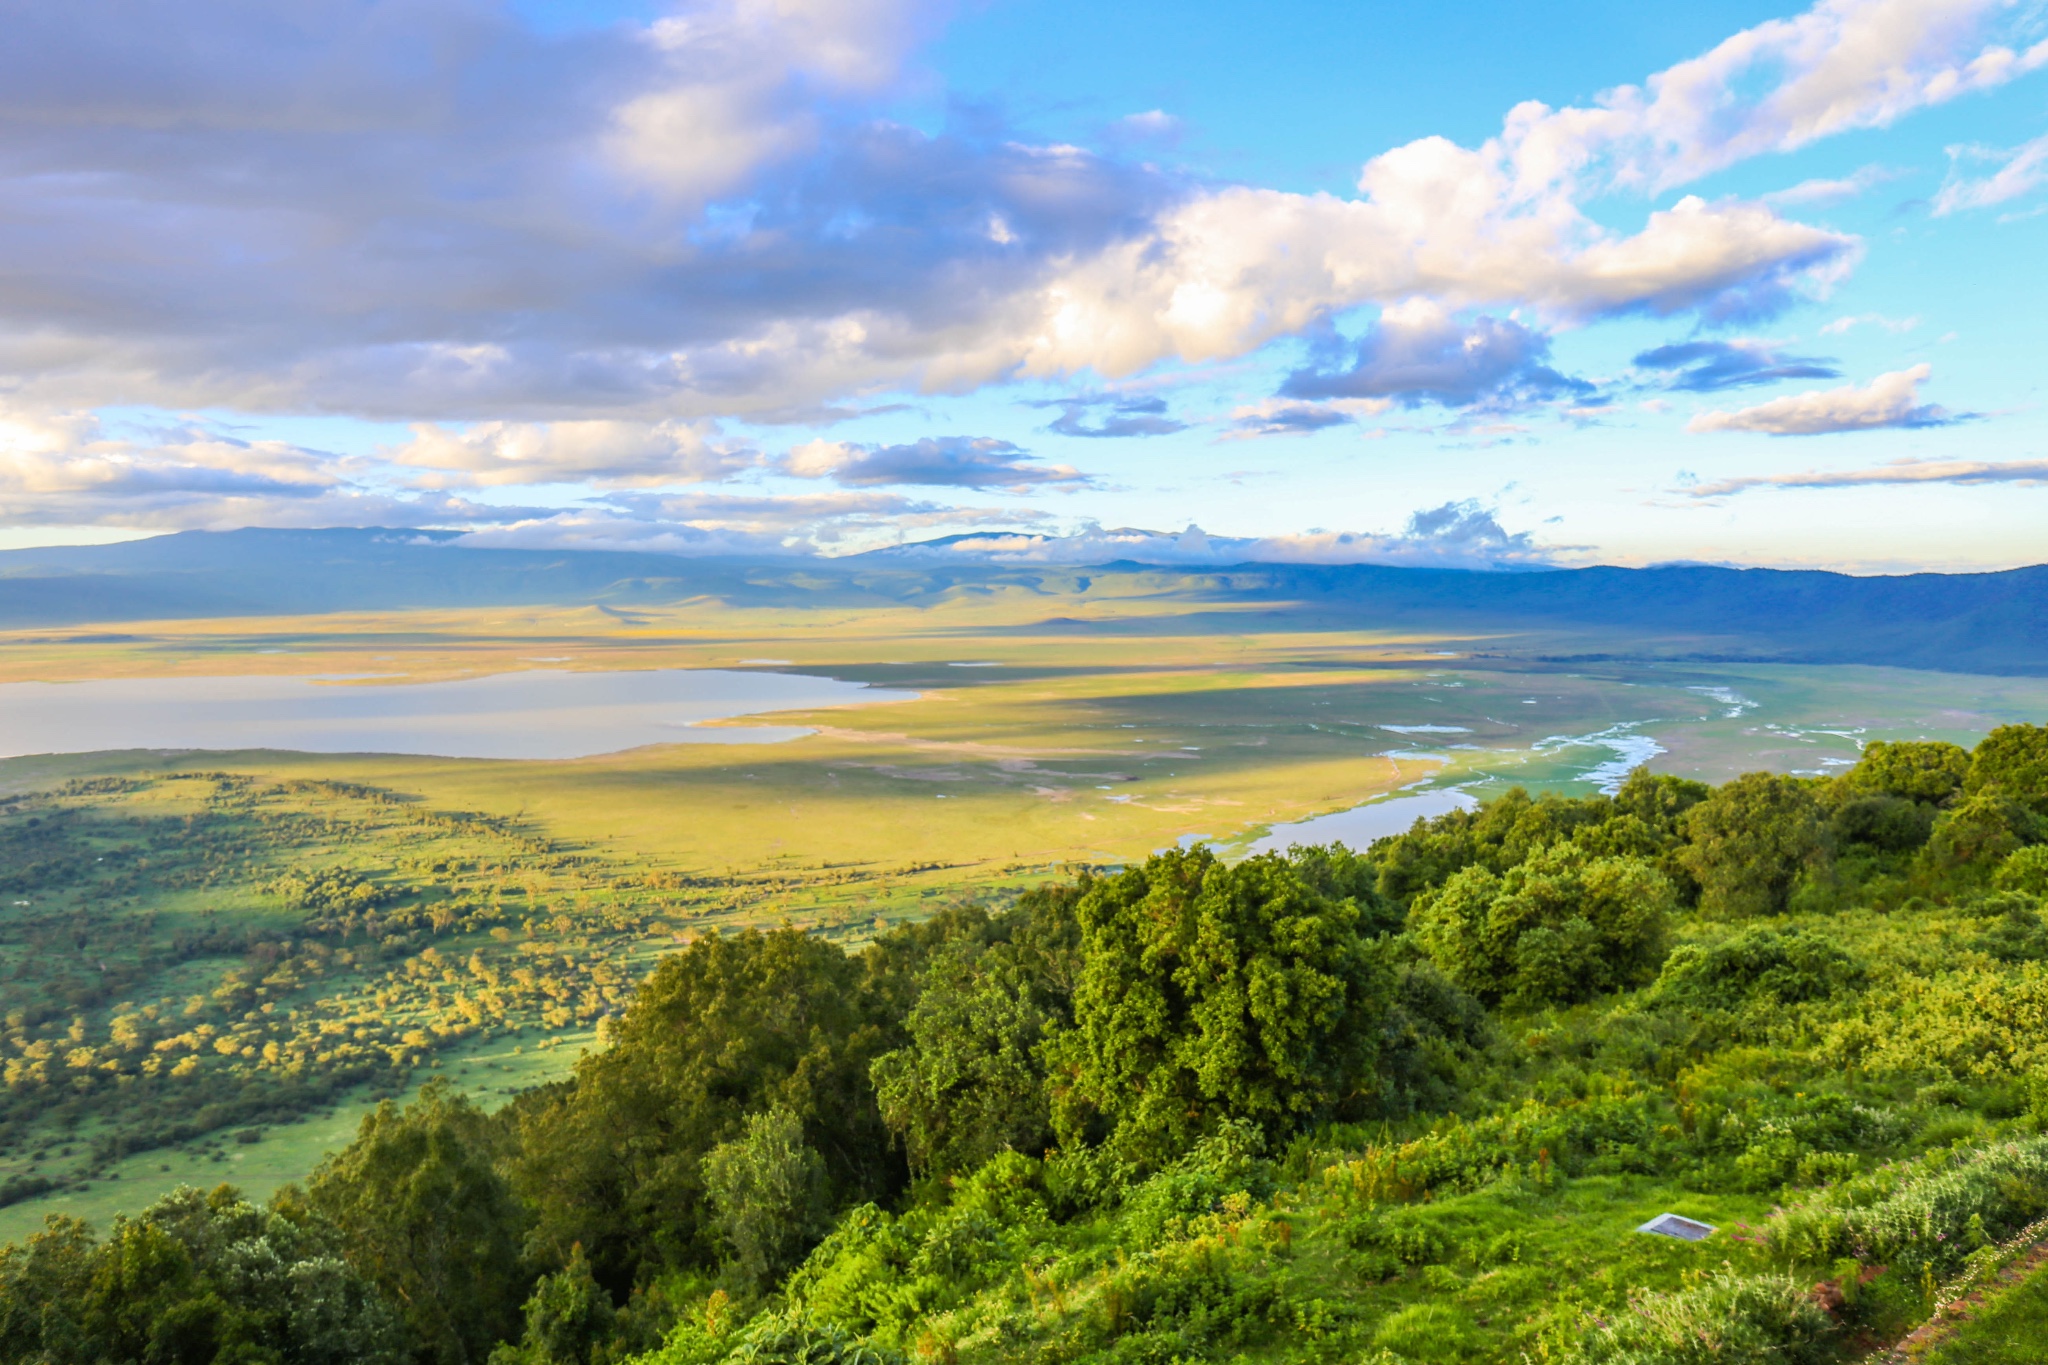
(1473, 284)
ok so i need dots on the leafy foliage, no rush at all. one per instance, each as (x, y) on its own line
(194, 1278)
(1209, 992)
(1559, 927)
(427, 1217)
(1750, 842)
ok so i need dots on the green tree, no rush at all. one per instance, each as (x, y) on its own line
(194, 1278)
(1984, 829)
(1496, 836)
(426, 1215)
(1211, 992)
(768, 1196)
(569, 1320)
(1915, 770)
(2025, 870)
(1893, 823)
(729, 1026)
(1751, 841)
(1562, 926)
(2013, 761)
(970, 1083)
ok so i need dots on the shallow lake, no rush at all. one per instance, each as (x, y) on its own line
(530, 714)
(1359, 826)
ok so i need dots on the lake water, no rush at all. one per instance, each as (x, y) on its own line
(532, 714)
(1359, 826)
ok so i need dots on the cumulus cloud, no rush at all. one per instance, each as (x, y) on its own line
(1462, 535)
(2020, 169)
(1909, 471)
(1098, 415)
(428, 212)
(934, 461)
(1890, 400)
(68, 469)
(613, 453)
(1706, 366)
(1282, 417)
(1417, 352)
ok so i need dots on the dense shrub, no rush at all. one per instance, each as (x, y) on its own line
(1560, 926)
(2025, 870)
(1210, 992)
(1968, 1023)
(2012, 760)
(1927, 1217)
(1751, 841)
(195, 1277)
(1780, 966)
(1729, 1320)
(1926, 771)
(1983, 830)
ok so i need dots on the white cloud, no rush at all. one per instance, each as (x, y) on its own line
(1418, 352)
(1829, 191)
(1907, 471)
(1890, 400)
(1895, 326)
(932, 461)
(738, 84)
(2022, 169)
(720, 524)
(1454, 535)
(67, 469)
(606, 453)
(439, 215)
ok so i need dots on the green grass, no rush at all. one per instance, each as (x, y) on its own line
(2012, 1330)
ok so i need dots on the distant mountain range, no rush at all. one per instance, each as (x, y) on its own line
(1983, 623)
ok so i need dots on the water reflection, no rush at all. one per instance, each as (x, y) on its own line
(1359, 826)
(533, 714)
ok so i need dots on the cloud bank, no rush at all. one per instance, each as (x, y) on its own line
(586, 259)
(1890, 400)
(1963, 472)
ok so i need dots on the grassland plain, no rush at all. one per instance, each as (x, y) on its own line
(1051, 730)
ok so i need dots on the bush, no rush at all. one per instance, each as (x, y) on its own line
(1562, 926)
(1983, 830)
(1781, 966)
(1732, 1320)
(1211, 992)
(1926, 1217)
(1891, 823)
(768, 1193)
(1914, 770)
(2024, 869)
(1750, 843)
(2012, 760)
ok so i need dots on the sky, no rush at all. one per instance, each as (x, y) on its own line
(1475, 284)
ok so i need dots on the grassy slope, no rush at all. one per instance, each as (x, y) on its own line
(2011, 1330)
